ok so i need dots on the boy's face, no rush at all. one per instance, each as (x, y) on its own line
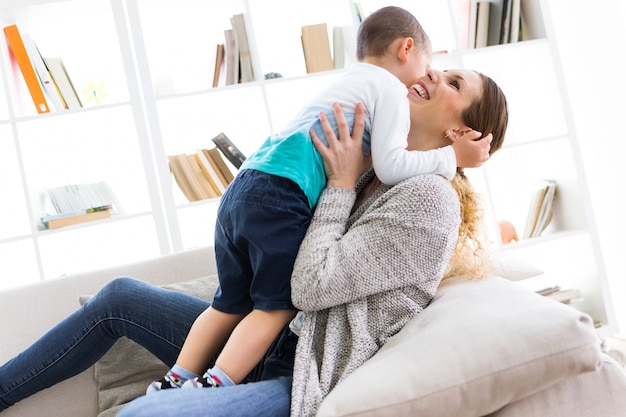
(419, 62)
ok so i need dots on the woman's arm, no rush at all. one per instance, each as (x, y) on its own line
(405, 237)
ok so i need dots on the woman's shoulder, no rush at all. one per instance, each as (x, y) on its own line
(426, 191)
(426, 184)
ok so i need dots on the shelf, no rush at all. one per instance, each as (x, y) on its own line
(155, 61)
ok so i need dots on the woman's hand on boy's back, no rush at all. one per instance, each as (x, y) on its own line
(344, 161)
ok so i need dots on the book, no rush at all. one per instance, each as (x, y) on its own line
(505, 25)
(21, 57)
(516, 19)
(45, 78)
(564, 296)
(216, 156)
(316, 48)
(344, 46)
(70, 219)
(207, 189)
(231, 53)
(482, 24)
(540, 209)
(229, 150)
(63, 82)
(79, 203)
(190, 178)
(240, 31)
(471, 25)
(181, 178)
(219, 64)
(211, 172)
(73, 198)
(496, 8)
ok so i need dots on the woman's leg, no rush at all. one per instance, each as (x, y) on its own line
(155, 318)
(269, 398)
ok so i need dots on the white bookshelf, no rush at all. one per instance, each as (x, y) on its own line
(155, 59)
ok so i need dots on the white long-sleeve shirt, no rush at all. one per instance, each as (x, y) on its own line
(291, 153)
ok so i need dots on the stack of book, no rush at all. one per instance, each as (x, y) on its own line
(47, 79)
(78, 203)
(490, 22)
(233, 58)
(206, 173)
(540, 210)
(561, 295)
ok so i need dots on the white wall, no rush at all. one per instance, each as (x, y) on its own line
(591, 37)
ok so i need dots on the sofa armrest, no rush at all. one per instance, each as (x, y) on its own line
(42, 305)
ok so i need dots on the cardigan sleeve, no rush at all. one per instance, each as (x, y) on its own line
(405, 237)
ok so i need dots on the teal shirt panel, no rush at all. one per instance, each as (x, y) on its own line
(293, 157)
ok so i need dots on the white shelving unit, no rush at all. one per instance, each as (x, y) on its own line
(154, 59)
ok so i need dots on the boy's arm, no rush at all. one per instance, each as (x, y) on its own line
(391, 160)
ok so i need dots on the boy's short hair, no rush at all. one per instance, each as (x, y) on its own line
(384, 26)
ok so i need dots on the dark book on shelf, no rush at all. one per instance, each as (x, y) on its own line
(229, 150)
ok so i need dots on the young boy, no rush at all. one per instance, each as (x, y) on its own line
(264, 213)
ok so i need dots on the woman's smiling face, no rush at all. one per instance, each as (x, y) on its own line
(437, 103)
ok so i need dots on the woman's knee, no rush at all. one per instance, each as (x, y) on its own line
(120, 291)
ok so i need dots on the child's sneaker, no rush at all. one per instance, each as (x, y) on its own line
(205, 381)
(168, 381)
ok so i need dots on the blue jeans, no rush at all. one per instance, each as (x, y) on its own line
(155, 318)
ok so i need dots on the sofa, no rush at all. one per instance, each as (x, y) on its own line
(482, 348)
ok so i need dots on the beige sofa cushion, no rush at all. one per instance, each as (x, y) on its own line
(479, 346)
(565, 399)
(125, 371)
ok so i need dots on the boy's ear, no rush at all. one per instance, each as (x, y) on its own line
(406, 46)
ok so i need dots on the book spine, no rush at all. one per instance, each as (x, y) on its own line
(230, 151)
(16, 45)
(50, 88)
(316, 48)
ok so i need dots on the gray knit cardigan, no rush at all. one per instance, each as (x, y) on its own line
(360, 278)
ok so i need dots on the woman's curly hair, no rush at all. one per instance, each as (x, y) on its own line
(488, 114)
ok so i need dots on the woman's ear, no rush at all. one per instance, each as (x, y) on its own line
(455, 133)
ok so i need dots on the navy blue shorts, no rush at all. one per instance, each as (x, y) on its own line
(261, 221)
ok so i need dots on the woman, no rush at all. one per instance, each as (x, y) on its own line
(159, 319)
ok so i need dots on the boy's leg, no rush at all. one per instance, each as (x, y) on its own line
(207, 335)
(262, 220)
(250, 341)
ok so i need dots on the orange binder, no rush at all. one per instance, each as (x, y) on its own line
(16, 44)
